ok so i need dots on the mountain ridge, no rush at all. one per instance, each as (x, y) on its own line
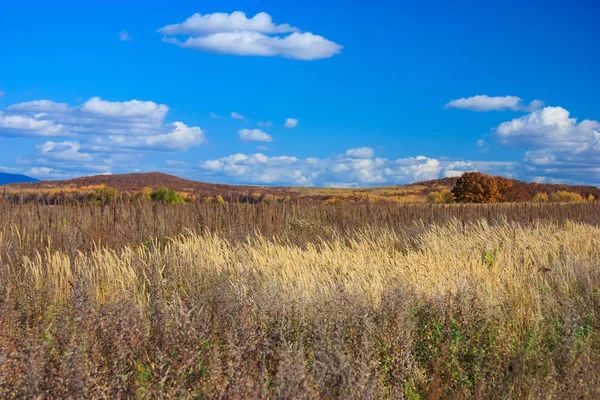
(7, 179)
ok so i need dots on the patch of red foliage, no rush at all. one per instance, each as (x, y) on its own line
(520, 190)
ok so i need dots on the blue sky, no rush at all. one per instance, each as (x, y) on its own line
(320, 93)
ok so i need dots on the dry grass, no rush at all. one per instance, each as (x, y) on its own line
(300, 301)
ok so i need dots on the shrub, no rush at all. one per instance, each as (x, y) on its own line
(443, 196)
(166, 196)
(540, 197)
(105, 195)
(565, 197)
(591, 198)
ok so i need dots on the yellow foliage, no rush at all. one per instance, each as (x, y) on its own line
(565, 197)
(540, 197)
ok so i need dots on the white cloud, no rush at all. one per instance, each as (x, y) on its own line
(17, 125)
(214, 115)
(124, 36)
(362, 152)
(558, 147)
(237, 21)
(40, 172)
(257, 36)
(503, 168)
(127, 109)
(2, 93)
(337, 171)
(40, 106)
(254, 135)
(290, 123)
(236, 115)
(266, 124)
(67, 151)
(497, 103)
(134, 125)
(180, 138)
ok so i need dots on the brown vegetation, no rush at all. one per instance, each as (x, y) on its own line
(131, 185)
(296, 300)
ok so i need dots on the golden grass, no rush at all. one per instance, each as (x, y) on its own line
(506, 261)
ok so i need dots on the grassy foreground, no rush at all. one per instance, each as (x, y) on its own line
(298, 301)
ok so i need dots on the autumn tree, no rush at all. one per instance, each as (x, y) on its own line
(540, 197)
(475, 187)
(563, 196)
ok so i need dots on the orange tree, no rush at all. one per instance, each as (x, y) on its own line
(475, 187)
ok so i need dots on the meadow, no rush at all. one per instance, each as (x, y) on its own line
(137, 299)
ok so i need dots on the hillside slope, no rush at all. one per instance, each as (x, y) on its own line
(6, 179)
(416, 192)
(138, 181)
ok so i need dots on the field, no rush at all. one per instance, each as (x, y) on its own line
(298, 299)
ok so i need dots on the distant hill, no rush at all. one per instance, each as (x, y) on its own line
(6, 179)
(520, 191)
(138, 181)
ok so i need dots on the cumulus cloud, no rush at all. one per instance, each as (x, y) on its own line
(199, 24)
(124, 36)
(136, 125)
(362, 152)
(254, 135)
(290, 123)
(17, 125)
(180, 138)
(337, 171)
(558, 146)
(257, 36)
(497, 103)
(133, 109)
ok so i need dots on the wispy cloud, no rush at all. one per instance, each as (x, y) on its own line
(124, 36)
(257, 36)
(497, 103)
(236, 115)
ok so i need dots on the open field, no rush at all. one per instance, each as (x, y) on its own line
(297, 300)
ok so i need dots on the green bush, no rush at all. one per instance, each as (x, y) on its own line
(105, 195)
(166, 196)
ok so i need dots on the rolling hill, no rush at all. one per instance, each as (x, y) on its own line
(6, 179)
(416, 192)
